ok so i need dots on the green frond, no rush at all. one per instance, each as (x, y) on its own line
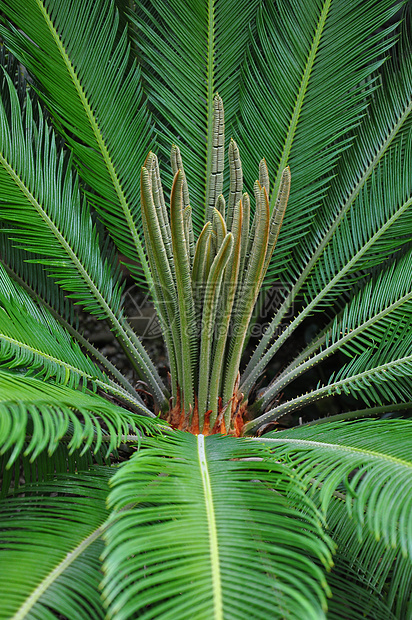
(48, 413)
(32, 340)
(50, 219)
(369, 461)
(387, 122)
(211, 38)
(81, 67)
(24, 470)
(236, 520)
(35, 280)
(376, 225)
(373, 376)
(379, 306)
(370, 564)
(37, 286)
(51, 546)
(294, 79)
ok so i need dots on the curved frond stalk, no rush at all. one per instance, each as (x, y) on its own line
(51, 219)
(95, 97)
(59, 572)
(248, 290)
(236, 181)
(50, 413)
(182, 100)
(370, 458)
(208, 490)
(377, 308)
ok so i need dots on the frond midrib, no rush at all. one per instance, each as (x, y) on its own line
(209, 97)
(57, 571)
(100, 142)
(307, 443)
(323, 392)
(300, 100)
(211, 522)
(65, 245)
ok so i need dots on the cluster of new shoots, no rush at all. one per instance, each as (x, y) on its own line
(205, 289)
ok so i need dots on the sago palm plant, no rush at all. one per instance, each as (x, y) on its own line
(190, 494)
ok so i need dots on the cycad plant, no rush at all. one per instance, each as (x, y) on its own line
(178, 496)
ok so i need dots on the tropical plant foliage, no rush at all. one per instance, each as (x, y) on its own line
(193, 495)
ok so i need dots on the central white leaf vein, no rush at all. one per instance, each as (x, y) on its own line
(211, 522)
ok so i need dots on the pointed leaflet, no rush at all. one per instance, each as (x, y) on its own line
(213, 516)
(80, 62)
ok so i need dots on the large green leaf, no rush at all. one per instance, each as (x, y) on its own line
(202, 527)
(50, 548)
(370, 460)
(378, 308)
(299, 99)
(81, 65)
(44, 414)
(52, 220)
(326, 261)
